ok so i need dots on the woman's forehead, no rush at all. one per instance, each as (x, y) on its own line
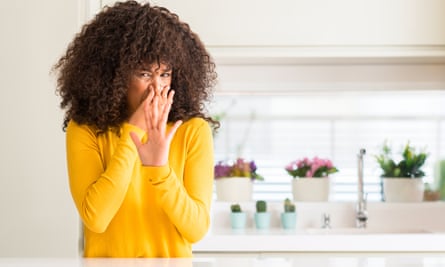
(152, 66)
(155, 65)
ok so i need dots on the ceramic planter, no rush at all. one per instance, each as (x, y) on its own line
(288, 220)
(234, 189)
(262, 220)
(311, 189)
(238, 220)
(403, 189)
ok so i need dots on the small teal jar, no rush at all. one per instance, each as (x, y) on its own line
(262, 220)
(238, 220)
(288, 220)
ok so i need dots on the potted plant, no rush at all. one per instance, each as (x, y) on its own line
(233, 181)
(262, 216)
(237, 217)
(311, 181)
(402, 174)
(289, 216)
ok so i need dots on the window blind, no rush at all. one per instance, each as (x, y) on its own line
(274, 130)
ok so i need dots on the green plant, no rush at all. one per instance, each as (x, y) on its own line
(409, 165)
(235, 208)
(261, 206)
(288, 205)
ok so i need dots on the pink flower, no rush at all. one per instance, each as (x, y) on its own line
(290, 166)
(328, 164)
(315, 167)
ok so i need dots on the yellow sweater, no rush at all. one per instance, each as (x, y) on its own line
(129, 210)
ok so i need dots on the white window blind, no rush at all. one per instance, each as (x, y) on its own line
(276, 129)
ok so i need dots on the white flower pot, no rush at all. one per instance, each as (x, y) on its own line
(311, 189)
(403, 189)
(234, 189)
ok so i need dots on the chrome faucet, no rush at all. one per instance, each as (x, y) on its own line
(362, 214)
(326, 221)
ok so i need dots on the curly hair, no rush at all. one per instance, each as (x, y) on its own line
(94, 73)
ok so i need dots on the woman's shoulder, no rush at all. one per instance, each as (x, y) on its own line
(77, 128)
(195, 124)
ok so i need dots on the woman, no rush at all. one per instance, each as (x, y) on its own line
(140, 164)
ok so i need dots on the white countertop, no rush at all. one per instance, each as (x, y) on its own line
(243, 260)
(302, 242)
(392, 227)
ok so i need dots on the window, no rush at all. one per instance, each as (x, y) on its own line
(276, 129)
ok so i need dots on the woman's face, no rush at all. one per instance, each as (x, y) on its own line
(150, 77)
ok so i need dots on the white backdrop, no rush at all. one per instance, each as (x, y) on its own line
(37, 217)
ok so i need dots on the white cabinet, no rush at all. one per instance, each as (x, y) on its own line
(292, 31)
(313, 22)
(388, 44)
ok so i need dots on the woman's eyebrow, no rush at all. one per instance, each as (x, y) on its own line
(143, 68)
(168, 68)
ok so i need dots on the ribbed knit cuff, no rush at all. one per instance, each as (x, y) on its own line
(156, 174)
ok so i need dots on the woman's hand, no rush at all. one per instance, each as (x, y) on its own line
(155, 109)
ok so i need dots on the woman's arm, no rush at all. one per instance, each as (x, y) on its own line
(188, 205)
(98, 188)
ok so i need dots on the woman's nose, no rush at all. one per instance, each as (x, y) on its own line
(156, 84)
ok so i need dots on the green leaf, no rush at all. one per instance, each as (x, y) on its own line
(409, 166)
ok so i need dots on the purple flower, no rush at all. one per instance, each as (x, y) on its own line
(252, 166)
(222, 170)
(240, 168)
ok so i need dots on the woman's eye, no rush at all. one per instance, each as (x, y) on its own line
(166, 74)
(145, 74)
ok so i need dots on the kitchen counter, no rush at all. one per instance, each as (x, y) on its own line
(243, 260)
(280, 241)
(391, 227)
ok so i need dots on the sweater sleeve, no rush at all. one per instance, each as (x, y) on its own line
(98, 188)
(188, 205)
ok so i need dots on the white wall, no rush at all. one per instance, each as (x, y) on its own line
(36, 211)
(38, 217)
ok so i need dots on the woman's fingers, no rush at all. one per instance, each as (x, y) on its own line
(164, 91)
(156, 111)
(147, 108)
(138, 116)
(167, 107)
(172, 131)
